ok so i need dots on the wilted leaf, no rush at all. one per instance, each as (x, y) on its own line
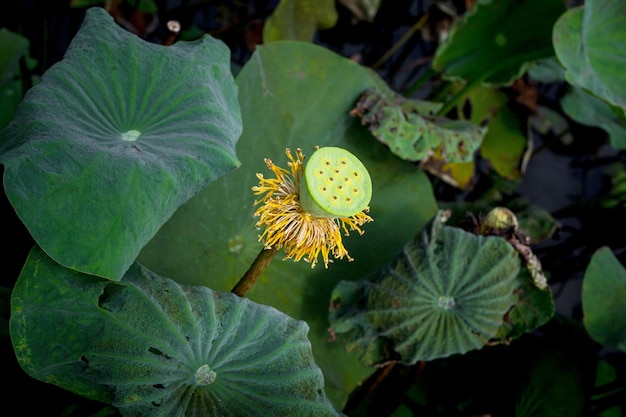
(457, 174)
(118, 135)
(412, 132)
(153, 347)
(446, 293)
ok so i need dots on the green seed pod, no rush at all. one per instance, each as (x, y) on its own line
(335, 184)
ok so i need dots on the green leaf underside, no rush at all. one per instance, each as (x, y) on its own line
(411, 132)
(142, 344)
(589, 42)
(446, 293)
(603, 294)
(118, 135)
(295, 95)
(492, 43)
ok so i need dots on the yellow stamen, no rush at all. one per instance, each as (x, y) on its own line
(302, 235)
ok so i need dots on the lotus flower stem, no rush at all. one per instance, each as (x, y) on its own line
(253, 273)
(303, 210)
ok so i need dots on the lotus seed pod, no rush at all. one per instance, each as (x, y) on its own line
(335, 184)
(500, 219)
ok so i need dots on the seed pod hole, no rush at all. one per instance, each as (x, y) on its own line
(325, 191)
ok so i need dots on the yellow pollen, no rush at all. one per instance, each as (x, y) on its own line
(287, 226)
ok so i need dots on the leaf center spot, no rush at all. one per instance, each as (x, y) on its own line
(446, 302)
(205, 376)
(131, 135)
(235, 245)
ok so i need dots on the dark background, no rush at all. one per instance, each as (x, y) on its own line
(569, 180)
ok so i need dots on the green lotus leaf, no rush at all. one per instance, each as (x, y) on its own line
(589, 43)
(554, 386)
(533, 308)
(446, 293)
(492, 43)
(591, 111)
(118, 135)
(412, 135)
(298, 20)
(603, 294)
(295, 95)
(150, 346)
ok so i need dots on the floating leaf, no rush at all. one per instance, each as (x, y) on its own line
(591, 111)
(289, 102)
(410, 130)
(492, 43)
(298, 20)
(446, 293)
(118, 135)
(589, 42)
(153, 347)
(603, 294)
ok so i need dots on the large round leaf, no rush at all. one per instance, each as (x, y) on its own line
(603, 294)
(493, 43)
(589, 42)
(295, 95)
(446, 293)
(117, 136)
(153, 347)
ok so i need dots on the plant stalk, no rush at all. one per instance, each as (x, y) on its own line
(253, 273)
(401, 42)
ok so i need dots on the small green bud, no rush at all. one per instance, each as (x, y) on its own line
(499, 219)
(335, 184)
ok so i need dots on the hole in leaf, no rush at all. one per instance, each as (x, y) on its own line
(157, 352)
(107, 300)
